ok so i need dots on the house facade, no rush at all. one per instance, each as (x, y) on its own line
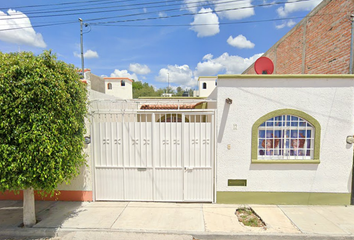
(282, 139)
(206, 86)
(119, 87)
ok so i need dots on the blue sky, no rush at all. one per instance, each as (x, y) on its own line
(152, 40)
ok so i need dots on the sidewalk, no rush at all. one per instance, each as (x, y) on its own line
(142, 220)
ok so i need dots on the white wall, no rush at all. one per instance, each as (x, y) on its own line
(210, 86)
(123, 92)
(328, 99)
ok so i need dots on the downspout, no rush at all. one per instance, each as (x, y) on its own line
(351, 46)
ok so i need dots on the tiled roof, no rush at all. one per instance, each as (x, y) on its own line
(170, 106)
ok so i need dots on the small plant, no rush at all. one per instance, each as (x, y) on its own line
(249, 218)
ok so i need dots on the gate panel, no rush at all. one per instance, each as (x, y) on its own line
(168, 165)
(153, 157)
(168, 184)
(138, 184)
(198, 174)
(109, 183)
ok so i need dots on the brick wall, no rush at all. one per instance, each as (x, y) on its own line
(319, 44)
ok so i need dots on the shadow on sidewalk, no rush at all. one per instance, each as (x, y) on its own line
(49, 214)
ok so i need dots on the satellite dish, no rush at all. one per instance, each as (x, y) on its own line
(264, 65)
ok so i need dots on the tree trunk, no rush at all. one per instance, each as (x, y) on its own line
(29, 214)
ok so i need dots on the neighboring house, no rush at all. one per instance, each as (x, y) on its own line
(119, 87)
(206, 85)
(319, 44)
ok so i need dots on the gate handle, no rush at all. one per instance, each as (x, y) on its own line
(188, 168)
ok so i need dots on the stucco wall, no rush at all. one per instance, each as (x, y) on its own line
(328, 99)
(123, 92)
(210, 86)
(97, 83)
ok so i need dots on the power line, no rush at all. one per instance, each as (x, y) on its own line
(179, 15)
(114, 10)
(179, 25)
(59, 4)
(208, 24)
(109, 23)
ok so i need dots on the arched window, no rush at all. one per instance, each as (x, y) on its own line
(286, 135)
(204, 85)
(122, 83)
(109, 85)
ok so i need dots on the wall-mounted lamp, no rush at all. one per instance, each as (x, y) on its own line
(350, 139)
(87, 139)
(228, 100)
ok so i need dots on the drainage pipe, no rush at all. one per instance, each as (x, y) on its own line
(351, 46)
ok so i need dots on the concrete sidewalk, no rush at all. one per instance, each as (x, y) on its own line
(141, 220)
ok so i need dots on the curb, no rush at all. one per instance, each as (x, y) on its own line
(60, 232)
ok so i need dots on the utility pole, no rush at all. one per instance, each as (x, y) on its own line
(82, 49)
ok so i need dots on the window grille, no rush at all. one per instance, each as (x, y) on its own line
(122, 83)
(204, 85)
(285, 137)
(109, 86)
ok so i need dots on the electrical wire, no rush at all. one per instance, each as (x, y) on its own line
(180, 25)
(110, 23)
(60, 4)
(114, 10)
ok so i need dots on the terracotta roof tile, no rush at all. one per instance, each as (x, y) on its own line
(170, 106)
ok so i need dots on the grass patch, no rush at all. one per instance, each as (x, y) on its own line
(249, 218)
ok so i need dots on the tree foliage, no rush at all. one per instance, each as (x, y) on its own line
(42, 105)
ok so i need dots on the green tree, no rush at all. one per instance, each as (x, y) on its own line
(42, 105)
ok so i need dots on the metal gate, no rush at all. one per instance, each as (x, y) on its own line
(154, 156)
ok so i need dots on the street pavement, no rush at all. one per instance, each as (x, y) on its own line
(180, 221)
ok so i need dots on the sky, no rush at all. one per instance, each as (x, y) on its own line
(153, 41)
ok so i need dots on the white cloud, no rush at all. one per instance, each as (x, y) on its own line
(23, 32)
(207, 17)
(184, 77)
(192, 5)
(243, 9)
(139, 69)
(88, 54)
(294, 6)
(162, 14)
(208, 56)
(180, 75)
(289, 23)
(124, 73)
(208, 68)
(240, 42)
(224, 64)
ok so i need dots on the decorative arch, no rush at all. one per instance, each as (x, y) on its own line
(292, 112)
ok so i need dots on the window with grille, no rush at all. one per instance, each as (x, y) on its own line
(122, 83)
(109, 86)
(286, 137)
(204, 85)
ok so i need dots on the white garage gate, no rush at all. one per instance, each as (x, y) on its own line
(154, 156)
